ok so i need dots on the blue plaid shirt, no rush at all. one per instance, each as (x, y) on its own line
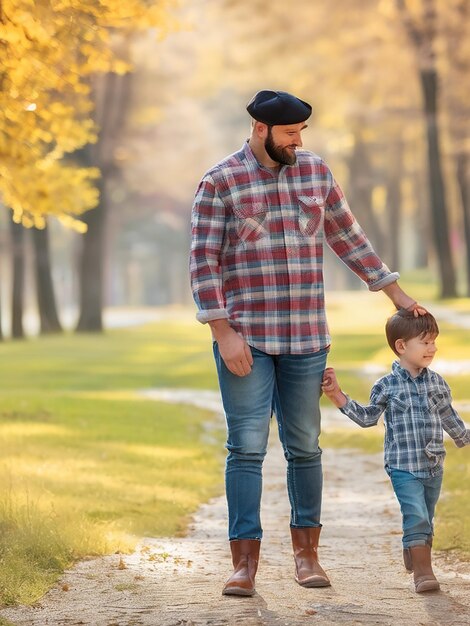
(416, 411)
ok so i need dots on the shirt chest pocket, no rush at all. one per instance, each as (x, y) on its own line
(250, 220)
(399, 417)
(311, 213)
(436, 402)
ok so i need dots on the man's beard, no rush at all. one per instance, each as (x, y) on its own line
(278, 154)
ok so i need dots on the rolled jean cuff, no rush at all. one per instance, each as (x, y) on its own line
(411, 543)
(303, 526)
(418, 541)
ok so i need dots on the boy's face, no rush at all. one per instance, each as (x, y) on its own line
(417, 353)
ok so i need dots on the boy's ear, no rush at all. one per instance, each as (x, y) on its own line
(400, 346)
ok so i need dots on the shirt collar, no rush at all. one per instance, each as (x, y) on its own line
(404, 374)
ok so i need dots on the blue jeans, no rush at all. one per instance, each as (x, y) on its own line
(418, 498)
(289, 385)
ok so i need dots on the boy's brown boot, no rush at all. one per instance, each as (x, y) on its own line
(308, 571)
(245, 557)
(424, 578)
(407, 556)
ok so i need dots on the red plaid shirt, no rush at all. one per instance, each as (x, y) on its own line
(257, 249)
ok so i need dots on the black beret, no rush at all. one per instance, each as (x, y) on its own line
(278, 107)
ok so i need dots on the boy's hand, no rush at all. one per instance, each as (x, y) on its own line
(330, 382)
(332, 389)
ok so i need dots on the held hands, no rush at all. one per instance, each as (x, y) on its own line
(331, 388)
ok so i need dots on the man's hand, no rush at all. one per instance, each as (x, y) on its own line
(233, 349)
(402, 301)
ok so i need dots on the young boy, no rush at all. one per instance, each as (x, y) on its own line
(418, 405)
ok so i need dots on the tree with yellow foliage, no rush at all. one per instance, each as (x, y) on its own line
(49, 49)
(51, 52)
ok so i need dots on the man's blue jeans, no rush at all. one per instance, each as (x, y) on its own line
(289, 386)
(418, 498)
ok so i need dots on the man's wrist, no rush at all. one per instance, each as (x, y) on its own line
(220, 327)
(399, 298)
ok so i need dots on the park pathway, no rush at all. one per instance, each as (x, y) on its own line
(178, 581)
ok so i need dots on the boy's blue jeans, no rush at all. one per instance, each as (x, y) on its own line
(418, 498)
(289, 385)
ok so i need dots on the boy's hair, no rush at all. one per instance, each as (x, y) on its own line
(404, 325)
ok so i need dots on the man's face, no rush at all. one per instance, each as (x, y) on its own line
(282, 141)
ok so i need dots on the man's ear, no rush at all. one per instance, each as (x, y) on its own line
(261, 129)
(400, 345)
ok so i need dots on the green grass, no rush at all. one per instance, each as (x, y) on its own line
(356, 322)
(172, 354)
(89, 467)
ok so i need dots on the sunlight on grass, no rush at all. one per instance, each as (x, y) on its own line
(88, 466)
(170, 354)
(453, 509)
(96, 481)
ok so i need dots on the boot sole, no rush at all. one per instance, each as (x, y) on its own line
(427, 585)
(314, 583)
(238, 591)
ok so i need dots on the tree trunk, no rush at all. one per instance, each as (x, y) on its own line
(463, 180)
(111, 96)
(91, 268)
(361, 183)
(394, 200)
(422, 33)
(17, 301)
(49, 319)
(437, 188)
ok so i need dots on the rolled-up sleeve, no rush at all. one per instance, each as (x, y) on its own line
(208, 221)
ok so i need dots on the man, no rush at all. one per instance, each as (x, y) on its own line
(259, 220)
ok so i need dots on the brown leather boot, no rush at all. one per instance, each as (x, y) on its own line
(245, 557)
(407, 560)
(423, 575)
(308, 571)
(407, 556)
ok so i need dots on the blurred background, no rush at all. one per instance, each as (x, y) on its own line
(111, 113)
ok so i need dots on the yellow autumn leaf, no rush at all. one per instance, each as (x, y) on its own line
(49, 52)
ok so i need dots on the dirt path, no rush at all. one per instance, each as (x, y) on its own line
(178, 582)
